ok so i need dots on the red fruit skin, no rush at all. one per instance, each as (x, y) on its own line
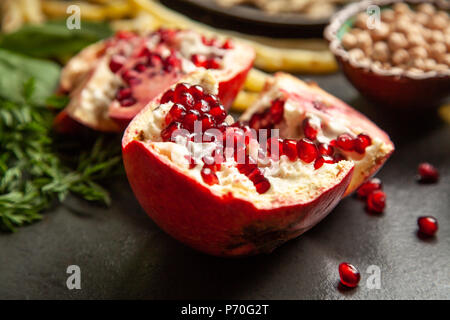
(218, 225)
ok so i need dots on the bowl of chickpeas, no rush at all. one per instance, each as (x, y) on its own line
(396, 53)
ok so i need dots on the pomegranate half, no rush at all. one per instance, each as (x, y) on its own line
(302, 111)
(111, 81)
(217, 185)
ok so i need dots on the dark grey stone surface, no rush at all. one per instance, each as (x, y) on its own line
(123, 254)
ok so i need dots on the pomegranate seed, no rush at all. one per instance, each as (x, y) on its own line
(218, 113)
(326, 150)
(290, 149)
(263, 186)
(428, 225)
(171, 62)
(212, 100)
(349, 275)
(255, 121)
(209, 177)
(213, 63)
(201, 106)
(368, 187)
(209, 42)
(128, 102)
(362, 142)
(167, 133)
(154, 60)
(428, 173)
(321, 160)
(124, 35)
(131, 77)
(140, 67)
(376, 201)
(190, 118)
(116, 63)
(275, 146)
(228, 44)
(167, 96)
(207, 122)
(277, 111)
(197, 92)
(176, 113)
(310, 130)
(123, 93)
(199, 60)
(185, 99)
(307, 150)
(247, 167)
(180, 89)
(345, 142)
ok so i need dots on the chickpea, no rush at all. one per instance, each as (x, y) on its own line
(365, 62)
(349, 41)
(400, 57)
(403, 25)
(415, 71)
(429, 64)
(446, 59)
(437, 36)
(387, 15)
(381, 32)
(356, 54)
(397, 41)
(426, 8)
(421, 18)
(447, 41)
(418, 52)
(401, 8)
(381, 52)
(441, 67)
(438, 51)
(361, 20)
(437, 23)
(364, 41)
(418, 63)
(416, 39)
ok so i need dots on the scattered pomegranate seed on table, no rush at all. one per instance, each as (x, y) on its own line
(427, 173)
(428, 225)
(368, 187)
(349, 275)
(376, 201)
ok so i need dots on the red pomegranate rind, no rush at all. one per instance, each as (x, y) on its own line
(210, 220)
(312, 99)
(148, 79)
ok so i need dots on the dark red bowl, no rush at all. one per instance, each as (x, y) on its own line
(389, 88)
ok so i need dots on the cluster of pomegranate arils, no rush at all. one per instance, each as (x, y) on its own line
(371, 191)
(192, 104)
(211, 61)
(308, 149)
(146, 60)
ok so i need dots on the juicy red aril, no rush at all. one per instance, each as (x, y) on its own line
(190, 118)
(180, 89)
(131, 77)
(228, 44)
(290, 149)
(176, 113)
(199, 60)
(212, 100)
(326, 150)
(263, 186)
(167, 133)
(368, 187)
(123, 93)
(140, 67)
(428, 225)
(275, 146)
(321, 160)
(428, 173)
(197, 92)
(124, 35)
(207, 122)
(277, 110)
(310, 130)
(362, 142)
(218, 113)
(376, 201)
(307, 150)
(209, 176)
(213, 63)
(201, 106)
(185, 99)
(349, 275)
(167, 96)
(116, 63)
(128, 102)
(345, 142)
(209, 42)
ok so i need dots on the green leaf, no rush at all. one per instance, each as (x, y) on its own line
(53, 39)
(19, 70)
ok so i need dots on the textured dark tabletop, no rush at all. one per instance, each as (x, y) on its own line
(123, 254)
